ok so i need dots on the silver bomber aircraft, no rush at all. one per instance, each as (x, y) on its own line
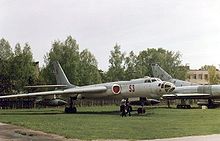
(187, 90)
(143, 87)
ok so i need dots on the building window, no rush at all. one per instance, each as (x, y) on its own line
(206, 76)
(188, 76)
(200, 76)
(194, 76)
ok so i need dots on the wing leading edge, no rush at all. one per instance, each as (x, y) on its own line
(77, 90)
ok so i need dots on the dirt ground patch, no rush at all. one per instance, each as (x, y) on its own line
(15, 133)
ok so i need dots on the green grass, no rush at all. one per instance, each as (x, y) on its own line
(105, 122)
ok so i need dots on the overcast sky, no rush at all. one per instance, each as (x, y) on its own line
(191, 27)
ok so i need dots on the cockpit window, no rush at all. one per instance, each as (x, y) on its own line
(147, 81)
(159, 79)
(150, 80)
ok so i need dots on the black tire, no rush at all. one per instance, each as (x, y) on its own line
(70, 110)
(188, 107)
(66, 110)
(74, 110)
(141, 111)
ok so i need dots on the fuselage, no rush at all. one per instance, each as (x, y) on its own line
(180, 83)
(213, 90)
(144, 87)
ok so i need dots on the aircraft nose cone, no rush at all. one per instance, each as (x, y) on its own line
(169, 87)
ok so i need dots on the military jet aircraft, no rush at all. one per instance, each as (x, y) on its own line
(143, 87)
(187, 90)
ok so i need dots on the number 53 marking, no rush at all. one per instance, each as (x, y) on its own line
(131, 88)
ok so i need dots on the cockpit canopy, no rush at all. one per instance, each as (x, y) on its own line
(151, 80)
(146, 79)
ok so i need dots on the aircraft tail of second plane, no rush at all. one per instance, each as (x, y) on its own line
(160, 73)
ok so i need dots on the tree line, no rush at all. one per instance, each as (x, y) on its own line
(17, 67)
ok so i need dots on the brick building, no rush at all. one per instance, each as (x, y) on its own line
(199, 76)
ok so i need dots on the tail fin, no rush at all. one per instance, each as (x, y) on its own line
(160, 73)
(60, 75)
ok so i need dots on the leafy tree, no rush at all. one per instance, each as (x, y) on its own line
(213, 76)
(206, 67)
(168, 60)
(5, 50)
(80, 68)
(23, 71)
(16, 69)
(143, 65)
(5, 56)
(89, 73)
(130, 66)
(103, 75)
(67, 53)
(116, 69)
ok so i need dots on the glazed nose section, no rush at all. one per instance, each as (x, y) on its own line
(168, 87)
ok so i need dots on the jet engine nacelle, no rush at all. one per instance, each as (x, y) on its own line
(51, 102)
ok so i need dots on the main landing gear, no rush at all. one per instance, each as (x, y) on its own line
(71, 108)
(211, 104)
(126, 108)
(141, 110)
(183, 105)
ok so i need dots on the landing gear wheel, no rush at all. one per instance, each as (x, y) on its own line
(188, 107)
(70, 110)
(141, 111)
(211, 103)
(183, 107)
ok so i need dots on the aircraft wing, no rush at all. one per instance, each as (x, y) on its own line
(186, 96)
(46, 86)
(77, 90)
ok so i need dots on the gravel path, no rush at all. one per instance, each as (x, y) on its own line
(215, 137)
